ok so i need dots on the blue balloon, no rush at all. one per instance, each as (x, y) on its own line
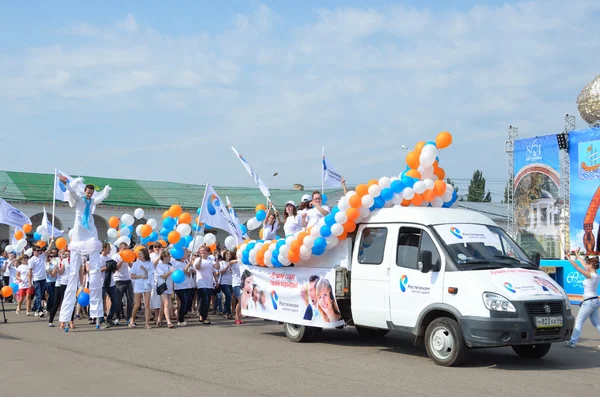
(153, 237)
(198, 211)
(244, 229)
(386, 194)
(280, 244)
(169, 223)
(83, 299)
(130, 229)
(178, 276)
(330, 220)
(15, 287)
(397, 186)
(320, 243)
(36, 236)
(275, 253)
(275, 261)
(180, 245)
(245, 260)
(196, 227)
(323, 199)
(335, 210)
(261, 215)
(260, 241)
(379, 202)
(431, 143)
(407, 181)
(372, 208)
(163, 232)
(188, 239)
(317, 251)
(177, 252)
(250, 246)
(325, 231)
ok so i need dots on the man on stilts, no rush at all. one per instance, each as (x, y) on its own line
(84, 242)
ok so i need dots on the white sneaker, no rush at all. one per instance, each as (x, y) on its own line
(17, 311)
(50, 325)
(28, 314)
(37, 314)
(570, 344)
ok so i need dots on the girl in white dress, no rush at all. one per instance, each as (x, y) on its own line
(142, 274)
(271, 224)
(292, 221)
(163, 274)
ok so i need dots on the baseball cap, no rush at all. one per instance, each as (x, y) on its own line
(291, 202)
(306, 198)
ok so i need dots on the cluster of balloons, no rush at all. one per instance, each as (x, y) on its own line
(121, 229)
(9, 290)
(19, 235)
(256, 222)
(421, 184)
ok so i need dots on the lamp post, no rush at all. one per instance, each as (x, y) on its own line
(405, 148)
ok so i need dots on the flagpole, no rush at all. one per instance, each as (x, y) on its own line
(198, 220)
(322, 170)
(54, 201)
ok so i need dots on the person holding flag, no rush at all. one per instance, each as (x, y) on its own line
(84, 242)
(330, 177)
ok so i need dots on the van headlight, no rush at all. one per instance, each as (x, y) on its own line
(497, 303)
(567, 303)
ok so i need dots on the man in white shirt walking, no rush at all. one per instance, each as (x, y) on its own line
(37, 273)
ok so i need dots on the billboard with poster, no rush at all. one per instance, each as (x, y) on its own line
(537, 203)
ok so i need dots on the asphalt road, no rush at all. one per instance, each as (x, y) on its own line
(256, 359)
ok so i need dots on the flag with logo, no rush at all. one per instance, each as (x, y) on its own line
(234, 216)
(48, 228)
(61, 180)
(11, 216)
(261, 185)
(330, 176)
(215, 214)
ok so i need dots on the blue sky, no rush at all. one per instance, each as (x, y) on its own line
(155, 90)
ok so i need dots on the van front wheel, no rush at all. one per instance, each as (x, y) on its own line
(444, 342)
(300, 333)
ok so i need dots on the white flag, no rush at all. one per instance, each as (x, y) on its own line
(261, 185)
(54, 232)
(216, 215)
(60, 189)
(11, 216)
(330, 176)
(233, 215)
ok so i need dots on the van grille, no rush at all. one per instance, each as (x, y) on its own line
(541, 308)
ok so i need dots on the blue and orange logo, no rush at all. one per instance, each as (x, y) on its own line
(274, 299)
(213, 201)
(509, 287)
(403, 283)
(456, 233)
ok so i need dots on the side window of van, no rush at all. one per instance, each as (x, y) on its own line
(372, 245)
(408, 247)
(427, 244)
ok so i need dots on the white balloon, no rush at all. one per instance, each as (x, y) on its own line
(123, 239)
(29, 252)
(138, 213)
(268, 257)
(447, 196)
(332, 241)
(397, 200)
(341, 217)
(309, 241)
(200, 241)
(408, 193)
(138, 230)
(368, 200)
(350, 194)
(152, 222)
(449, 187)
(40, 229)
(374, 191)
(289, 240)
(72, 232)
(429, 184)
(337, 229)
(21, 244)
(343, 204)
(437, 202)
(46, 236)
(419, 187)
(427, 159)
(384, 182)
(316, 231)
(304, 251)
(127, 219)
(230, 243)
(394, 178)
(305, 256)
(210, 239)
(364, 213)
(252, 254)
(184, 229)
(124, 232)
(238, 253)
(284, 250)
(430, 149)
(253, 224)
(9, 248)
(426, 172)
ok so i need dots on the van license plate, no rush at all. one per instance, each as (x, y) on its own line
(549, 322)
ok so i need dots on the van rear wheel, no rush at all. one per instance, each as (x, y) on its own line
(444, 342)
(532, 351)
(371, 333)
(301, 333)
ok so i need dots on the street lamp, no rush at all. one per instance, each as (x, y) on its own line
(405, 148)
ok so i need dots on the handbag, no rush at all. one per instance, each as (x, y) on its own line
(161, 289)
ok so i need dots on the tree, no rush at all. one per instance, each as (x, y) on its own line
(505, 201)
(476, 192)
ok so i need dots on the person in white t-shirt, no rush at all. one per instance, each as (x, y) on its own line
(37, 264)
(108, 283)
(155, 300)
(142, 274)
(24, 280)
(292, 221)
(271, 224)
(9, 271)
(318, 211)
(123, 285)
(182, 289)
(62, 279)
(205, 278)
(226, 274)
(164, 270)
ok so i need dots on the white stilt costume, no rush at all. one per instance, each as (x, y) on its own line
(84, 242)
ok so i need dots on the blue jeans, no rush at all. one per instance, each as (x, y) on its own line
(587, 309)
(50, 300)
(204, 295)
(218, 306)
(40, 289)
(227, 290)
(183, 296)
(114, 302)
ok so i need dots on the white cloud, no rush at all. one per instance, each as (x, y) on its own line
(359, 81)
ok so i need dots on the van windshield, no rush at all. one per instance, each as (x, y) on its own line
(476, 246)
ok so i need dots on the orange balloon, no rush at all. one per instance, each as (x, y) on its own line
(18, 235)
(440, 173)
(295, 246)
(86, 290)
(405, 203)
(353, 214)
(260, 234)
(443, 140)
(412, 160)
(260, 207)
(185, 218)
(174, 237)
(343, 236)
(301, 236)
(373, 182)
(349, 226)
(127, 256)
(175, 210)
(439, 188)
(417, 200)
(138, 248)
(362, 189)
(355, 201)
(61, 243)
(293, 256)
(113, 222)
(166, 214)
(41, 244)
(428, 195)
(419, 147)
(7, 291)
(213, 247)
(146, 231)
(27, 228)
(413, 174)
(163, 243)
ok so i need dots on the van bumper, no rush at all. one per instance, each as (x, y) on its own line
(519, 330)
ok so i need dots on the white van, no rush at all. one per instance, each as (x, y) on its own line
(450, 277)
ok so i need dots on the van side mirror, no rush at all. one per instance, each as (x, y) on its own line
(425, 265)
(537, 257)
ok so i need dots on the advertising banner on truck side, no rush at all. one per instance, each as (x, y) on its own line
(303, 296)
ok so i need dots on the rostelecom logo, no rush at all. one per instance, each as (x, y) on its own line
(403, 282)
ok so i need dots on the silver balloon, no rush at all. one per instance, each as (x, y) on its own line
(588, 102)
